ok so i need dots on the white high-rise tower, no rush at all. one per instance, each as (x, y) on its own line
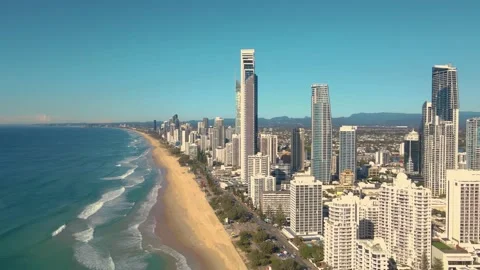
(321, 133)
(248, 109)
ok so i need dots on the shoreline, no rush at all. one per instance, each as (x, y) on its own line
(190, 225)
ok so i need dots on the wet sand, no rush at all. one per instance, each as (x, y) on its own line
(186, 222)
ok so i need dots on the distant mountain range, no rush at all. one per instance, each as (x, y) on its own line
(358, 119)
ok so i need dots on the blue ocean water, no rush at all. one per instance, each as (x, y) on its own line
(79, 198)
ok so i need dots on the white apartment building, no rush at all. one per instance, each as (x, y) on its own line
(259, 184)
(404, 221)
(463, 206)
(453, 259)
(276, 200)
(472, 144)
(341, 233)
(236, 150)
(305, 205)
(229, 154)
(371, 255)
(269, 146)
(367, 218)
(257, 165)
(220, 154)
(349, 218)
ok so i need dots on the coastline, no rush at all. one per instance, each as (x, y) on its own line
(190, 224)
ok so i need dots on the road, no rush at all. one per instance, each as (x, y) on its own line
(281, 239)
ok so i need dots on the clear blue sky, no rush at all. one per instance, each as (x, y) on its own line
(144, 60)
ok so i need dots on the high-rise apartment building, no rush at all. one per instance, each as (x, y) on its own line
(236, 150)
(229, 154)
(248, 110)
(371, 255)
(440, 128)
(219, 132)
(260, 184)
(298, 149)
(404, 221)
(411, 148)
(382, 157)
(205, 125)
(321, 133)
(367, 218)
(341, 233)
(350, 218)
(473, 143)
(347, 156)
(463, 206)
(257, 165)
(436, 138)
(269, 146)
(154, 125)
(238, 107)
(274, 201)
(305, 205)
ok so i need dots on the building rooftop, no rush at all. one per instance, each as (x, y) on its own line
(446, 248)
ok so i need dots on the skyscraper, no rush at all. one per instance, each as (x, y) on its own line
(440, 129)
(321, 133)
(298, 149)
(473, 143)
(269, 146)
(412, 152)
(341, 232)
(463, 197)
(205, 125)
(445, 104)
(305, 205)
(248, 110)
(257, 166)
(219, 132)
(236, 150)
(154, 125)
(238, 103)
(348, 150)
(404, 221)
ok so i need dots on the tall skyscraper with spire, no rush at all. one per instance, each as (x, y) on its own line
(321, 133)
(248, 109)
(238, 103)
(440, 129)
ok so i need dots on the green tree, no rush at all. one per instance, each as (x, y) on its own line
(288, 264)
(280, 217)
(256, 257)
(297, 241)
(267, 247)
(260, 236)
(306, 251)
(437, 264)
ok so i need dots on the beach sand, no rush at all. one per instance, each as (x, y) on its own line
(192, 226)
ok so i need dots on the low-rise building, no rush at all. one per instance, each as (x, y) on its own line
(451, 258)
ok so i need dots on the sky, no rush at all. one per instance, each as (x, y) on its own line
(110, 61)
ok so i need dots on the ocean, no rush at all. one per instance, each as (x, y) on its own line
(79, 198)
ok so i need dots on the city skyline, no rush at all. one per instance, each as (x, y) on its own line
(119, 72)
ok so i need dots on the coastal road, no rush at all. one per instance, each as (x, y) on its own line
(281, 239)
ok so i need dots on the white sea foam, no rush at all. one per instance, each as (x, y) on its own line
(130, 159)
(123, 176)
(91, 258)
(180, 260)
(135, 181)
(118, 165)
(59, 230)
(94, 207)
(84, 236)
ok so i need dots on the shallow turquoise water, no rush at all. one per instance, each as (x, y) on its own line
(78, 198)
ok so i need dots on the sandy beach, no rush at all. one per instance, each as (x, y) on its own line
(193, 227)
